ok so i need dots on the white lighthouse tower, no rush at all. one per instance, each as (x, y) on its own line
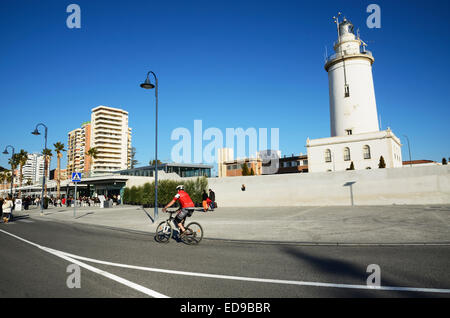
(356, 140)
(353, 109)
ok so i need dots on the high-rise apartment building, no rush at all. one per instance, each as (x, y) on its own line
(79, 141)
(111, 136)
(34, 168)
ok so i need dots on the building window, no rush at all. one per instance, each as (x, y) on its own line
(347, 154)
(366, 152)
(346, 90)
(328, 155)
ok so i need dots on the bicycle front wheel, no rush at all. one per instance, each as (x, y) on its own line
(163, 232)
(194, 233)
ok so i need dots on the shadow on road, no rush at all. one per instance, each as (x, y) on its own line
(20, 217)
(148, 215)
(79, 217)
(348, 272)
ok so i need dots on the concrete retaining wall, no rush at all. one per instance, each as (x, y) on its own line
(406, 185)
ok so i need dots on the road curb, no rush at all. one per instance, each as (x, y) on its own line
(246, 241)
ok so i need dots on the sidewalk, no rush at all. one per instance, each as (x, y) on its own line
(314, 225)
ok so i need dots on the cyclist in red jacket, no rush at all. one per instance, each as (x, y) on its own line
(187, 206)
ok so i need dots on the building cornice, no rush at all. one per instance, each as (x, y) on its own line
(353, 138)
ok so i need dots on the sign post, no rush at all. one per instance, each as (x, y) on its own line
(76, 177)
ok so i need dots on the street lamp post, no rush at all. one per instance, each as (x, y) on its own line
(12, 172)
(36, 133)
(148, 85)
(409, 150)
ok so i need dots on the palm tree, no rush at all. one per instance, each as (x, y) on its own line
(3, 177)
(14, 162)
(47, 154)
(59, 147)
(22, 160)
(92, 153)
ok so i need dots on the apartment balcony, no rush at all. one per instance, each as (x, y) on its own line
(109, 115)
(105, 137)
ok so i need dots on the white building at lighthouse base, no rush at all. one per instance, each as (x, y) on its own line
(364, 150)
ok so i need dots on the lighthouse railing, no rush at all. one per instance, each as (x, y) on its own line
(339, 55)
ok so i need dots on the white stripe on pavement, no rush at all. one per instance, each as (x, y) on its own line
(263, 280)
(116, 278)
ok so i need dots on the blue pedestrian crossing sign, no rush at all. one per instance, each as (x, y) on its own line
(76, 176)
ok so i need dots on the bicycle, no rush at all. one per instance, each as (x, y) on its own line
(165, 229)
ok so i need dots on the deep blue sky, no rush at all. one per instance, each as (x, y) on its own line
(233, 63)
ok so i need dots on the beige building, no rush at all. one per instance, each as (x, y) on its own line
(79, 141)
(223, 155)
(111, 136)
(234, 167)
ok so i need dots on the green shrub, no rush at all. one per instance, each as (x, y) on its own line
(126, 196)
(145, 195)
(133, 195)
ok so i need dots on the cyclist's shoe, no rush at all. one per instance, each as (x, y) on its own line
(185, 233)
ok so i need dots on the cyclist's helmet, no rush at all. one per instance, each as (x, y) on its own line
(180, 187)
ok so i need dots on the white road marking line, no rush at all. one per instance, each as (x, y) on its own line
(116, 278)
(250, 279)
(263, 280)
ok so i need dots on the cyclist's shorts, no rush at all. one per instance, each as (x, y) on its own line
(183, 213)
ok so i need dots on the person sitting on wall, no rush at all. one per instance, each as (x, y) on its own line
(212, 197)
(205, 201)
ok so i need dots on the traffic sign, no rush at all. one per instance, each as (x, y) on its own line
(76, 176)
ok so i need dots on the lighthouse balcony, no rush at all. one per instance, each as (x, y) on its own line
(345, 54)
(334, 58)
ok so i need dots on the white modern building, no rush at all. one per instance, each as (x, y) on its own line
(111, 136)
(355, 133)
(34, 168)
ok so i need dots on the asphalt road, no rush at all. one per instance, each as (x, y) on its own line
(214, 269)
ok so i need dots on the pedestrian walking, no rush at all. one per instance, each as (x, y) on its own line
(212, 197)
(7, 209)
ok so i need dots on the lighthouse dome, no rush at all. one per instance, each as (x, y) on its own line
(346, 27)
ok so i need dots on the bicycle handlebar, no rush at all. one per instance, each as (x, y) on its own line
(171, 211)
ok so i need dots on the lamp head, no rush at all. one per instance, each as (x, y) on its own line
(36, 132)
(147, 84)
(5, 152)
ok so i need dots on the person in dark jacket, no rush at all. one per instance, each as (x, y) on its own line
(212, 197)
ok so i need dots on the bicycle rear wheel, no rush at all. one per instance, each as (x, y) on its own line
(163, 232)
(194, 234)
